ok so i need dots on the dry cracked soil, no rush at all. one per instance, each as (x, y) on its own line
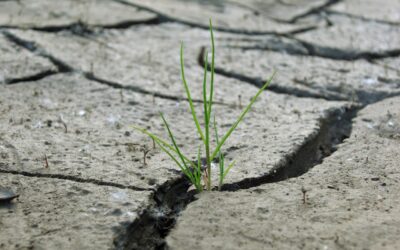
(317, 158)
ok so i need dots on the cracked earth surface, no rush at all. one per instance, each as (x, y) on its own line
(317, 158)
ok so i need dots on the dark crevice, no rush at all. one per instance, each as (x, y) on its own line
(334, 128)
(277, 44)
(81, 28)
(299, 31)
(166, 18)
(366, 98)
(126, 24)
(35, 77)
(78, 28)
(347, 55)
(282, 89)
(331, 93)
(310, 49)
(137, 89)
(65, 68)
(153, 225)
(362, 96)
(72, 178)
(334, 94)
(31, 46)
(258, 82)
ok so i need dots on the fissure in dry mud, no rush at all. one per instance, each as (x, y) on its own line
(310, 49)
(31, 46)
(153, 226)
(292, 34)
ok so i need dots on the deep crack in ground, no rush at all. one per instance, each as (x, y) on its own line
(170, 199)
(154, 225)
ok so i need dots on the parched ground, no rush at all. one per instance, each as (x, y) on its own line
(317, 158)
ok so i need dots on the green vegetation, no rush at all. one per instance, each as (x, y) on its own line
(193, 170)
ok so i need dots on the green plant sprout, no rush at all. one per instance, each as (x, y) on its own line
(193, 170)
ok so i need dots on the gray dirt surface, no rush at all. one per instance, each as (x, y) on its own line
(358, 80)
(284, 11)
(368, 9)
(154, 74)
(103, 152)
(83, 139)
(18, 64)
(356, 36)
(237, 16)
(390, 64)
(49, 14)
(46, 214)
(316, 157)
(351, 200)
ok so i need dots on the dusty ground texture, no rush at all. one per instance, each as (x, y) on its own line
(350, 199)
(316, 158)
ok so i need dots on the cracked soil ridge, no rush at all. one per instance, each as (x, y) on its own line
(73, 178)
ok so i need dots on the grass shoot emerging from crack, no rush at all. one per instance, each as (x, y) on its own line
(193, 170)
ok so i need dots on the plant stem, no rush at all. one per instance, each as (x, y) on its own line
(208, 160)
(209, 109)
(207, 139)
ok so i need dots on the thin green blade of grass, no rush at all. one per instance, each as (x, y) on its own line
(220, 155)
(240, 118)
(157, 139)
(183, 169)
(221, 170)
(205, 89)
(195, 180)
(174, 141)
(181, 156)
(209, 109)
(207, 114)
(228, 169)
(192, 170)
(212, 71)
(162, 144)
(196, 121)
(198, 171)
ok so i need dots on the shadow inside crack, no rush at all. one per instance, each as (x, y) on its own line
(154, 224)
(334, 129)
